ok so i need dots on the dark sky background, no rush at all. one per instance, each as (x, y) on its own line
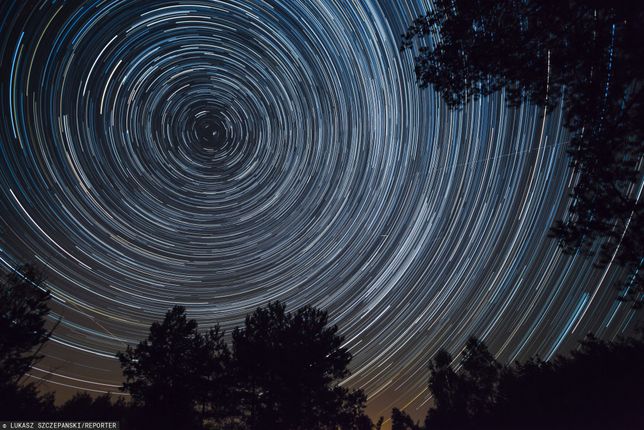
(222, 154)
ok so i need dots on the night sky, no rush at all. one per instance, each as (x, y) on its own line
(222, 154)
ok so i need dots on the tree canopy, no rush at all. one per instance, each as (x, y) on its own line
(402, 421)
(283, 372)
(463, 397)
(582, 55)
(23, 311)
(23, 332)
(166, 374)
(289, 366)
(597, 386)
(84, 407)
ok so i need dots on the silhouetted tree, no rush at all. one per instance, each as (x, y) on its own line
(446, 387)
(402, 421)
(480, 376)
(213, 360)
(586, 53)
(23, 311)
(597, 386)
(170, 375)
(84, 407)
(24, 402)
(288, 367)
(462, 397)
(365, 423)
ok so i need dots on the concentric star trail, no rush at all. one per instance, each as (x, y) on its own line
(222, 154)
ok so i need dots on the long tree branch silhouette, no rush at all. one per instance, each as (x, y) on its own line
(580, 55)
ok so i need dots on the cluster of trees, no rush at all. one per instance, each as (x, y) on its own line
(598, 386)
(588, 56)
(282, 371)
(23, 309)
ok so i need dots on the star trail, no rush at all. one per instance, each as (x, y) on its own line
(223, 154)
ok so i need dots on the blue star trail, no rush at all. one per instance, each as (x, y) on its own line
(222, 154)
